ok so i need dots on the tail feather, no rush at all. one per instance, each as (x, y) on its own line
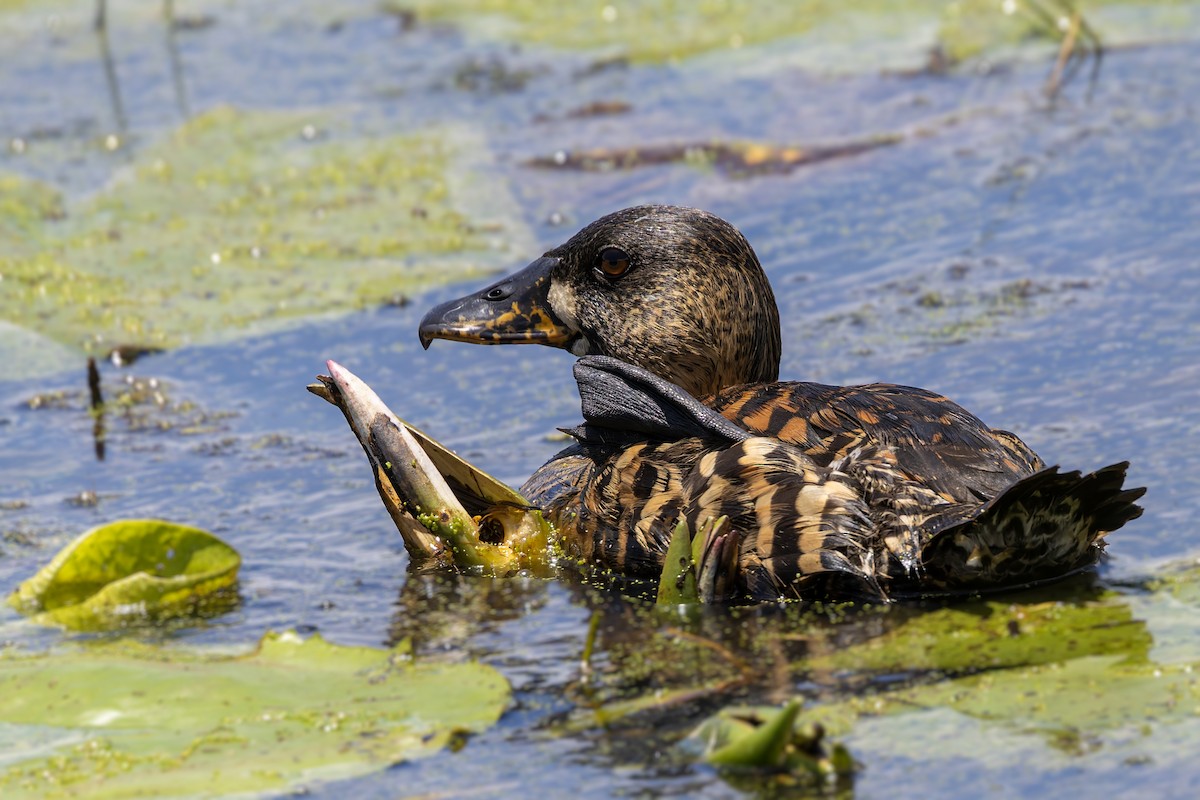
(1043, 526)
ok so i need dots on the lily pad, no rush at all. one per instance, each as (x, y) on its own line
(127, 719)
(131, 572)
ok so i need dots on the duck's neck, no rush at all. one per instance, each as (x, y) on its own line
(729, 351)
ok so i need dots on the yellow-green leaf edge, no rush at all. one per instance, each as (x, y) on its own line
(128, 572)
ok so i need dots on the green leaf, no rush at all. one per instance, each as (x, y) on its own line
(131, 572)
(677, 584)
(741, 738)
(761, 745)
(130, 719)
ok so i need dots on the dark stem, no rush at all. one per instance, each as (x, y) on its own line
(97, 408)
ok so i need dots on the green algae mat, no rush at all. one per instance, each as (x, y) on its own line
(237, 219)
(1043, 676)
(820, 33)
(1049, 666)
(124, 719)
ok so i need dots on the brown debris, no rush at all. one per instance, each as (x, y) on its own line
(737, 159)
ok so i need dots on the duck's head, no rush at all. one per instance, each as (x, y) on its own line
(677, 291)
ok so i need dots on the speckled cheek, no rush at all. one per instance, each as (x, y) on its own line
(563, 305)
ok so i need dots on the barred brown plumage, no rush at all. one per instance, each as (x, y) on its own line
(831, 491)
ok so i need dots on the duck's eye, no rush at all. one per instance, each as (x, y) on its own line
(614, 262)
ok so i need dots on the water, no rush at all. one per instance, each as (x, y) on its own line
(1035, 262)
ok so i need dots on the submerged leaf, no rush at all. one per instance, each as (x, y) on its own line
(989, 635)
(132, 719)
(1065, 671)
(827, 36)
(754, 738)
(130, 572)
(758, 745)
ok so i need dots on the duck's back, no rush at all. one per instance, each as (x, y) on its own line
(829, 490)
(936, 442)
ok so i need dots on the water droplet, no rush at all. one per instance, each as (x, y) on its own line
(308, 132)
(1009, 7)
(215, 258)
(112, 142)
(560, 157)
(609, 14)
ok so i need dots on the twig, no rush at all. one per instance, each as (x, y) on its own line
(1065, 53)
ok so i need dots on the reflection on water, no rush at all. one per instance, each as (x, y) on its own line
(111, 77)
(655, 673)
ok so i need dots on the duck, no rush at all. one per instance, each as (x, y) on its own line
(801, 490)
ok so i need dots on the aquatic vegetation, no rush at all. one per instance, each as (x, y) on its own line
(736, 159)
(940, 702)
(745, 738)
(654, 31)
(701, 567)
(123, 719)
(132, 572)
(426, 489)
(1069, 667)
(662, 30)
(136, 404)
(237, 219)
